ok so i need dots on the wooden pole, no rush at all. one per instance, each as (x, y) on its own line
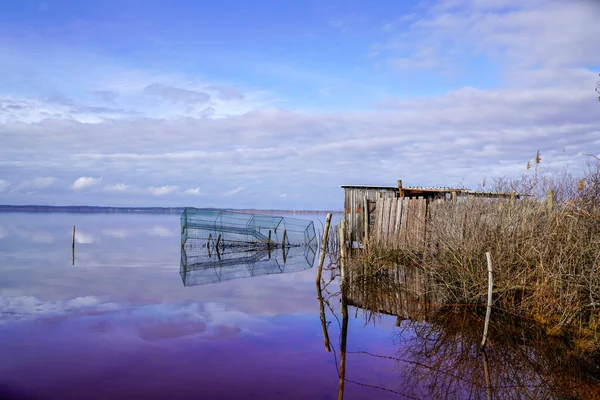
(323, 247)
(486, 371)
(488, 312)
(284, 239)
(344, 309)
(208, 244)
(400, 191)
(343, 251)
(73, 247)
(323, 320)
(217, 246)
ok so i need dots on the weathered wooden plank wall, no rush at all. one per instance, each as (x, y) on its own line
(354, 204)
(400, 222)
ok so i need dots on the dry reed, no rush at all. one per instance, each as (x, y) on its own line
(546, 251)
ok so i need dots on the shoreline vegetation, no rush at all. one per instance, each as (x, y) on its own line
(545, 248)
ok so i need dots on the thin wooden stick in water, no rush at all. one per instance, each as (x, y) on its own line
(323, 247)
(488, 256)
(343, 252)
(322, 316)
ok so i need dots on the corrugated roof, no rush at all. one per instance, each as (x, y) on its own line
(440, 188)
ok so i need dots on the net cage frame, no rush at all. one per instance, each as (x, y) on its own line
(219, 245)
(245, 229)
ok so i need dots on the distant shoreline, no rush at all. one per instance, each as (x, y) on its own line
(153, 210)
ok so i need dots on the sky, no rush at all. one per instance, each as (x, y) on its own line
(275, 104)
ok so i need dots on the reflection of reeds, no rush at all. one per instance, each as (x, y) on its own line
(546, 251)
(438, 354)
(521, 362)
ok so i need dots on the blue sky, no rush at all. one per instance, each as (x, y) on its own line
(274, 104)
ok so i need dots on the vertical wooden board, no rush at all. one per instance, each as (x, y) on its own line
(404, 222)
(378, 216)
(418, 222)
(397, 222)
(392, 220)
(421, 231)
(423, 222)
(381, 219)
(419, 237)
(385, 221)
(412, 219)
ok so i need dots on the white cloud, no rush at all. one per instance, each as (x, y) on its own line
(85, 182)
(29, 307)
(3, 185)
(162, 190)
(232, 192)
(117, 187)
(160, 231)
(84, 238)
(37, 183)
(520, 34)
(193, 192)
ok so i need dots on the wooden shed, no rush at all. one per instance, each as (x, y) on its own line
(361, 198)
(360, 202)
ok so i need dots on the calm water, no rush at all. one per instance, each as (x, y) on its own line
(120, 324)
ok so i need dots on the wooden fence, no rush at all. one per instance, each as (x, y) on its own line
(400, 222)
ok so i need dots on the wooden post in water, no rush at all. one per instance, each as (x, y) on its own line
(283, 246)
(73, 247)
(344, 337)
(343, 252)
(217, 246)
(323, 247)
(208, 244)
(486, 371)
(488, 256)
(322, 316)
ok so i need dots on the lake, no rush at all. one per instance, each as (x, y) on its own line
(121, 324)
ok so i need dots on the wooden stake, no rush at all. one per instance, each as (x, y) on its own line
(343, 252)
(323, 247)
(322, 315)
(400, 191)
(343, 341)
(208, 244)
(488, 312)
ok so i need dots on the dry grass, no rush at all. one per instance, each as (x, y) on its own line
(545, 252)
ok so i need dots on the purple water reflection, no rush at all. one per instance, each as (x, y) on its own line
(120, 323)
